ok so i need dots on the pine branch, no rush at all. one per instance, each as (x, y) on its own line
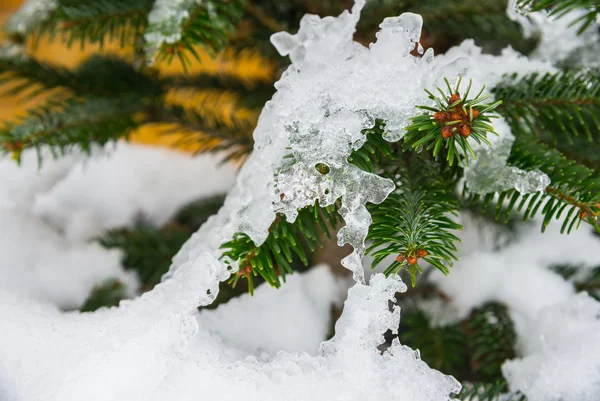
(584, 279)
(442, 348)
(447, 127)
(491, 338)
(109, 294)
(95, 22)
(413, 222)
(574, 189)
(60, 126)
(31, 76)
(148, 250)
(559, 105)
(252, 94)
(207, 133)
(560, 8)
(273, 259)
(206, 23)
(96, 77)
(488, 392)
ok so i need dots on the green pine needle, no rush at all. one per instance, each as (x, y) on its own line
(447, 128)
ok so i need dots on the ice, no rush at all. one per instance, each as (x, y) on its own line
(30, 15)
(165, 21)
(489, 172)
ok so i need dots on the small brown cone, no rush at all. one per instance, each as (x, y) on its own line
(453, 98)
(422, 253)
(447, 132)
(464, 130)
(400, 258)
(441, 117)
(412, 260)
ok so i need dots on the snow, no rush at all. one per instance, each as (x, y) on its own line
(557, 329)
(563, 362)
(295, 318)
(127, 184)
(30, 15)
(165, 22)
(57, 208)
(159, 347)
(558, 38)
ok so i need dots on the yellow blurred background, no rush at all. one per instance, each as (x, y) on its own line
(247, 65)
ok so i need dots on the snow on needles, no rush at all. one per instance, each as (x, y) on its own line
(156, 348)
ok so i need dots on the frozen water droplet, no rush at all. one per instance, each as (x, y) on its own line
(419, 149)
(420, 48)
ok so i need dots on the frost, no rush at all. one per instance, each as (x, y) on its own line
(165, 22)
(30, 15)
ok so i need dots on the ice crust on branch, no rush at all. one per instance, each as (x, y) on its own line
(30, 15)
(489, 172)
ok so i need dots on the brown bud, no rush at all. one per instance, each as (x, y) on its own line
(400, 258)
(441, 117)
(412, 260)
(453, 98)
(422, 253)
(464, 130)
(475, 113)
(447, 132)
(456, 116)
(583, 214)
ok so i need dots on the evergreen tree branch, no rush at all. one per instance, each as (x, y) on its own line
(574, 189)
(273, 259)
(286, 241)
(497, 391)
(60, 126)
(442, 348)
(208, 24)
(96, 77)
(447, 127)
(492, 339)
(560, 8)
(207, 134)
(554, 107)
(414, 221)
(95, 22)
(251, 94)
